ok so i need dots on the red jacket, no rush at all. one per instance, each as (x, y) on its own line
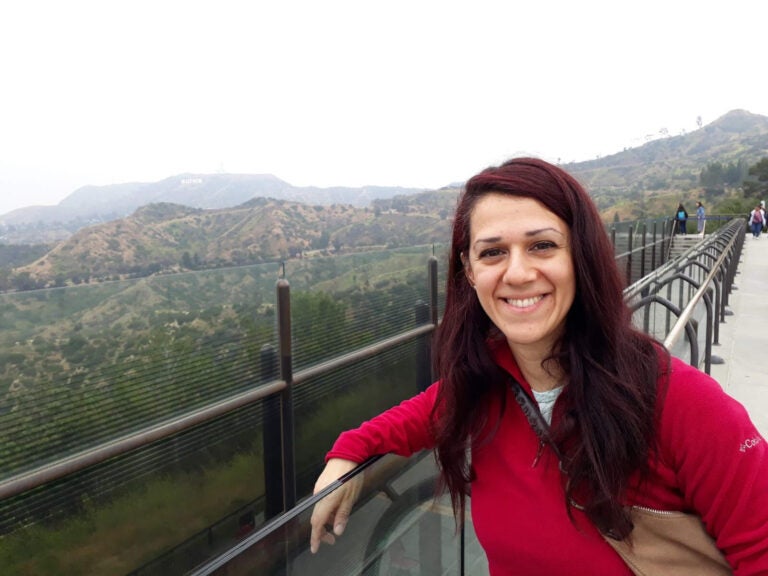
(712, 460)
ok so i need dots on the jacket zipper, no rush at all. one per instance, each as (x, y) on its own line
(659, 512)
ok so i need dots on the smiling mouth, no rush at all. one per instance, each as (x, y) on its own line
(523, 302)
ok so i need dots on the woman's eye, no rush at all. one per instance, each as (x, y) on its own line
(544, 245)
(490, 253)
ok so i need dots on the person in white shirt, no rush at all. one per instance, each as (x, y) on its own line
(757, 220)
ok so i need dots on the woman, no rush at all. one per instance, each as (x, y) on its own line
(757, 220)
(534, 293)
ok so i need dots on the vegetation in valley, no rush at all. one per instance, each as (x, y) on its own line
(86, 364)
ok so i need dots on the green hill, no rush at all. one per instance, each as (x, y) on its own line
(708, 164)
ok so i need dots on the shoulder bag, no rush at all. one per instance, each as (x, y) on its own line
(661, 543)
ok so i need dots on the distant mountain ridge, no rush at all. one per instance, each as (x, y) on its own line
(212, 191)
(671, 165)
(737, 134)
(164, 237)
(96, 204)
(665, 168)
(168, 237)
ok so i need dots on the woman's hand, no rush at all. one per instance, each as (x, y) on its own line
(334, 509)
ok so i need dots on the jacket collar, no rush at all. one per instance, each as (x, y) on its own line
(503, 357)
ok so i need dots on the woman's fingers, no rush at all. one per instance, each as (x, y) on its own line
(320, 534)
(331, 514)
(349, 494)
(321, 521)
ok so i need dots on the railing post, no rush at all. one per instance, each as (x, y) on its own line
(286, 399)
(432, 267)
(718, 298)
(629, 256)
(642, 251)
(273, 466)
(426, 314)
(653, 248)
(423, 352)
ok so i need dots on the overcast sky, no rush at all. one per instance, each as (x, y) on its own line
(327, 92)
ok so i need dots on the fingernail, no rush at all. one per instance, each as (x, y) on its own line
(339, 529)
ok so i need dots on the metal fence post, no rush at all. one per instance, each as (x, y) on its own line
(642, 251)
(426, 314)
(629, 256)
(432, 267)
(273, 466)
(286, 399)
(430, 557)
(423, 352)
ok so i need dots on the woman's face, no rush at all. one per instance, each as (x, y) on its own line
(519, 260)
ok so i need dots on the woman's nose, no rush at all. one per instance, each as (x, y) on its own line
(519, 270)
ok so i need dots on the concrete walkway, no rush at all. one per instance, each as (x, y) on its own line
(744, 336)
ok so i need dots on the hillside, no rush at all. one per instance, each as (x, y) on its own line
(652, 178)
(667, 169)
(97, 204)
(161, 238)
(649, 180)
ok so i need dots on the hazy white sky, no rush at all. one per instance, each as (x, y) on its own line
(332, 92)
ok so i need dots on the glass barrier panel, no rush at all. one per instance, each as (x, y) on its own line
(344, 398)
(342, 303)
(83, 365)
(165, 508)
(396, 527)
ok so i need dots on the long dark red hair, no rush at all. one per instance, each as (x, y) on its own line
(606, 413)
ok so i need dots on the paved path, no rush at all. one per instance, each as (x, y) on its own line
(744, 336)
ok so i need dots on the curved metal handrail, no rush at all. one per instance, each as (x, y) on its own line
(687, 313)
(719, 251)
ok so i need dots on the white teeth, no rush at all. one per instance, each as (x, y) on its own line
(524, 303)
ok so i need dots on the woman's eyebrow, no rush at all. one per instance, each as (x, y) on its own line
(528, 234)
(490, 240)
(540, 230)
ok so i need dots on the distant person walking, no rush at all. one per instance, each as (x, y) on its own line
(681, 217)
(700, 218)
(757, 221)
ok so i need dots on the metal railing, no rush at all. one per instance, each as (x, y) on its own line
(702, 275)
(281, 495)
(281, 385)
(276, 408)
(716, 258)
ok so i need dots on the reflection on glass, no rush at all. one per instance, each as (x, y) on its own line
(397, 527)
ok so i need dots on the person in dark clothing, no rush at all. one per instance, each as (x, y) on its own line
(681, 218)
